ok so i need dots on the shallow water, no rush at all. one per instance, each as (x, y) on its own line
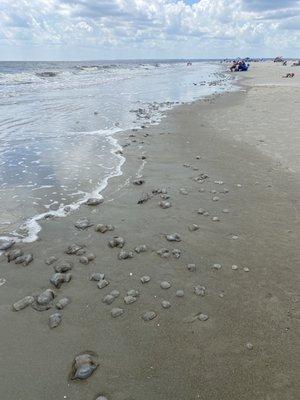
(57, 125)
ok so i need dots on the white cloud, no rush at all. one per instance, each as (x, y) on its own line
(149, 28)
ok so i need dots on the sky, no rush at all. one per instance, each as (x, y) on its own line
(141, 29)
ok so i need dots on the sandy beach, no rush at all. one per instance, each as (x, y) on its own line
(229, 167)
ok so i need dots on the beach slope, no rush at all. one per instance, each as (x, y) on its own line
(233, 333)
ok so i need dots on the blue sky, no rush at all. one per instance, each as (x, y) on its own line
(124, 29)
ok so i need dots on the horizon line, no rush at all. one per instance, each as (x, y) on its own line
(151, 59)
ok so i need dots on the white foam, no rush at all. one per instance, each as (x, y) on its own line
(32, 226)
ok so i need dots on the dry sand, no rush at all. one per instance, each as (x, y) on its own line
(177, 356)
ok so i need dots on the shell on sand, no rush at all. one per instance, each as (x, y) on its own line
(145, 279)
(73, 248)
(45, 297)
(91, 256)
(63, 266)
(141, 248)
(165, 285)
(160, 191)
(249, 346)
(193, 227)
(54, 320)
(58, 279)
(138, 181)
(62, 303)
(192, 318)
(173, 237)
(116, 312)
(201, 178)
(87, 258)
(115, 293)
(23, 303)
(129, 299)
(183, 191)
(102, 284)
(165, 304)
(133, 292)
(199, 290)
(201, 211)
(191, 267)
(84, 365)
(104, 228)
(176, 253)
(124, 254)
(12, 255)
(203, 317)
(116, 241)
(51, 260)
(6, 243)
(97, 276)
(165, 204)
(164, 253)
(216, 266)
(145, 197)
(94, 201)
(108, 299)
(149, 315)
(25, 260)
(83, 224)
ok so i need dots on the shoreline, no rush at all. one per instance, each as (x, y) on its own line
(175, 355)
(32, 226)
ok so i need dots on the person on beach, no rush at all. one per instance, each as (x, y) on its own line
(289, 75)
(239, 66)
(233, 66)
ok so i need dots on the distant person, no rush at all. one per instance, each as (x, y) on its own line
(239, 66)
(233, 66)
(278, 59)
(289, 75)
(242, 66)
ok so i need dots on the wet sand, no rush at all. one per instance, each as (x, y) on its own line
(248, 348)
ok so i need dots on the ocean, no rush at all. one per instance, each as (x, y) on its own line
(58, 122)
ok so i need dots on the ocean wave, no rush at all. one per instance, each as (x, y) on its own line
(89, 68)
(18, 79)
(47, 74)
(42, 76)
